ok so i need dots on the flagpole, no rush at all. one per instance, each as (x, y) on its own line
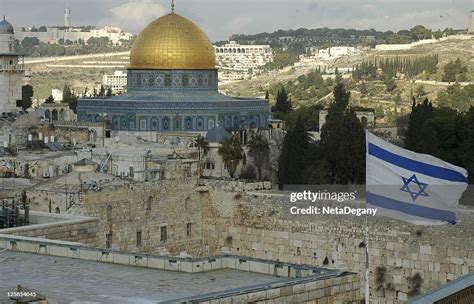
(367, 289)
(367, 286)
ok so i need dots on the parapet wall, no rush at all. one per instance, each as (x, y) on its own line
(58, 227)
(261, 226)
(295, 283)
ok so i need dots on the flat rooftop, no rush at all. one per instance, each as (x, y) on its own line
(65, 280)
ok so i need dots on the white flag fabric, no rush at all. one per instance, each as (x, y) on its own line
(413, 187)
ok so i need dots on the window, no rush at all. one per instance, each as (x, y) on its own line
(108, 240)
(139, 238)
(109, 213)
(163, 234)
(143, 124)
(189, 229)
(166, 123)
(189, 123)
(149, 203)
(177, 124)
(200, 123)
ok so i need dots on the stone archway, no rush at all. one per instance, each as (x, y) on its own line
(54, 115)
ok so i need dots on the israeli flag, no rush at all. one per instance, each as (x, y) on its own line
(413, 187)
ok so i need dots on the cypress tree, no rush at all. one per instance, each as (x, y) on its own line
(292, 159)
(343, 141)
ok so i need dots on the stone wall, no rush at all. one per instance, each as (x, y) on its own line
(58, 227)
(126, 212)
(330, 290)
(261, 226)
(404, 259)
(293, 283)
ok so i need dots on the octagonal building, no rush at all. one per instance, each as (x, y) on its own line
(172, 86)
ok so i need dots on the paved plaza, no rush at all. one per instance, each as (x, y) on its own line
(64, 280)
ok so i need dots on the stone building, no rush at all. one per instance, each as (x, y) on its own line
(12, 69)
(207, 217)
(172, 87)
(238, 62)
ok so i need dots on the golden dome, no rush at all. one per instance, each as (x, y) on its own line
(172, 42)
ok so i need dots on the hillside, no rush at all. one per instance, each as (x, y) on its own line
(377, 97)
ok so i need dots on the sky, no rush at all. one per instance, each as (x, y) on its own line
(222, 18)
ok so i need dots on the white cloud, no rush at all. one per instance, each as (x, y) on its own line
(134, 15)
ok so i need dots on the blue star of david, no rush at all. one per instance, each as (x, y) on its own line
(414, 194)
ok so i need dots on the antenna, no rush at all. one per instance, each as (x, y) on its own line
(172, 6)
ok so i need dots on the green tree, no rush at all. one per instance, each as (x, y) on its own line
(363, 89)
(338, 78)
(467, 155)
(70, 98)
(259, 150)
(342, 143)
(101, 91)
(292, 160)
(419, 114)
(455, 71)
(283, 102)
(444, 133)
(308, 114)
(420, 91)
(203, 149)
(329, 82)
(232, 153)
(390, 83)
(398, 99)
(50, 99)
(66, 94)
(26, 96)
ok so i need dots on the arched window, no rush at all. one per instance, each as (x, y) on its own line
(154, 124)
(189, 123)
(177, 124)
(57, 210)
(143, 124)
(149, 202)
(235, 122)
(124, 123)
(211, 123)
(187, 203)
(55, 115)
(200, 124)
(116, 123)
(47, 114)
(109, 213)
(166, 123)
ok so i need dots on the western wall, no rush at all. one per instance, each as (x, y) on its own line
(405, 260)
(208, 217)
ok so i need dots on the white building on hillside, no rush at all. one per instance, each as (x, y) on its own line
(57, 95)
(55, 34)
(241, 61)
(115, 34)
(117, 81)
